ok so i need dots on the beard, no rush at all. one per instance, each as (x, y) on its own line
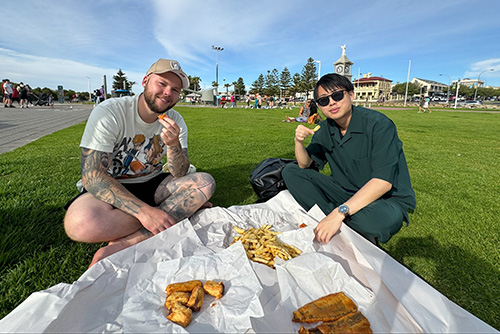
(150, 99)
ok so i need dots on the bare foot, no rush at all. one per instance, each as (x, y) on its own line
(120, 244)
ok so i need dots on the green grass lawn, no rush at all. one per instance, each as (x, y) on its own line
(452, 241)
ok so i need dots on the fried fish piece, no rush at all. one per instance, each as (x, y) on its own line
(213, 288)
(350, 323)
(180, 314)
(327, 308)
(354, 322)
(195, 301)
(177, 296)
(182, 286)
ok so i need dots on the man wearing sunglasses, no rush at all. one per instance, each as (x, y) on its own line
(369, 188)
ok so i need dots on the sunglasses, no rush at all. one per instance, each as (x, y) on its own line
(336, 96)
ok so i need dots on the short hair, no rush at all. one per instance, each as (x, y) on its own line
(332, 81)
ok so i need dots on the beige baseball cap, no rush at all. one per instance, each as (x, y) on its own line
(168, 65)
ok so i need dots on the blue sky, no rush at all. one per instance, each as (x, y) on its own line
(51, 43)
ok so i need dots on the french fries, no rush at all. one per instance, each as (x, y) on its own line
(261, 245)
(316, 128)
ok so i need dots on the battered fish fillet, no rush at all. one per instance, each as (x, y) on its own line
(178, 296)
(180, 314)
(183, 286)
(350, 323)
(327, 308)
(195, 302)
(215, 289)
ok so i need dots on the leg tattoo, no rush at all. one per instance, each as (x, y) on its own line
(188, 194)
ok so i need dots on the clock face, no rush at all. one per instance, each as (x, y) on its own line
(339, 69)
(346, 69)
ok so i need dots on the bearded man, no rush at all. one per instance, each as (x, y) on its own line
(126, 195)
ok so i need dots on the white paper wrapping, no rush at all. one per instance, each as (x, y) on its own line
(124, 293)
(145, 295)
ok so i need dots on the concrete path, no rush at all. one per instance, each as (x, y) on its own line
(19, 127)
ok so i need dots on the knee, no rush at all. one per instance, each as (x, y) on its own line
(290, 170)
(74, 226)
(79, 226)
(206, 183)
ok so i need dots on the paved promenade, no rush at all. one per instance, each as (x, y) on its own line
(19, 127)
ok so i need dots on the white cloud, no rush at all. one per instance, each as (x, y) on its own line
(484, 68)
(52, 72)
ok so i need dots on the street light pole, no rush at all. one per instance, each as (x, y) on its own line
(90, 91)
(217, 48)
(456, 94)
(475, 93)
(319, 68)
(407, 80)
(448, 92)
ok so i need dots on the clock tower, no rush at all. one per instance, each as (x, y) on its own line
(343, 66)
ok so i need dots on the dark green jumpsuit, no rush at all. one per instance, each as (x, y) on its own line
(369, 149)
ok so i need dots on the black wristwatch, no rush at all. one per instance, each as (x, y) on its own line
(344, 209)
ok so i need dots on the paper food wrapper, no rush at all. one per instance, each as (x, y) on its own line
(144, 309)
(125, 292)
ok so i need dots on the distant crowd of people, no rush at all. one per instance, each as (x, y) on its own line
(259, 101)
(98, 96)
(22, 94)
(19, 94)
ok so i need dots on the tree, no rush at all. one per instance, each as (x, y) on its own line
(400, 89)
(285, 80)
(271, 83)
(120, 81)
(194, 83)
(239, 87)
(258, 85)
(309, 76)
(297, 85)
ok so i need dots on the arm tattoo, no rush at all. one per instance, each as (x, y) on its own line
(177, 160)
(95, 178)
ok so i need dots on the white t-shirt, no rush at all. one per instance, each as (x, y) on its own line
(7, 87)
(114, 126)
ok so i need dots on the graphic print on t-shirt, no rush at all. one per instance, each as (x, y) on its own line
(137, 156)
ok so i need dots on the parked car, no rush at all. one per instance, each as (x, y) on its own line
(473, 104)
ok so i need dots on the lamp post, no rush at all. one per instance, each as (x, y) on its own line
(319, 68)
(90, 91)
(456, 94)
(217, 48)
(407, 81)
(448, 92)
(475, 93)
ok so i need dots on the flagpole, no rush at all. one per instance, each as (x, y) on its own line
(407, 79)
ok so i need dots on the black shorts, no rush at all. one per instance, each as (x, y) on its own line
(145, 191)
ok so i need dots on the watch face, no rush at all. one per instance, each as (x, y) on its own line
(346, 69)
(343, 209)
(339, 69)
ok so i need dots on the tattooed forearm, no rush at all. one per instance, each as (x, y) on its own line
(177, 160)
(97, 181)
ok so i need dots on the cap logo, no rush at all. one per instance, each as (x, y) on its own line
(175, 65)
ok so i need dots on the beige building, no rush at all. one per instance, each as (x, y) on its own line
(429, 87)
(372, 89)
(469, 82)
